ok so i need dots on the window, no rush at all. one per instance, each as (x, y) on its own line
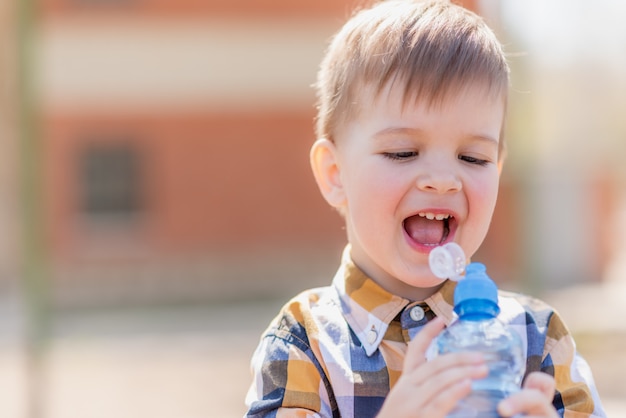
(111, 181)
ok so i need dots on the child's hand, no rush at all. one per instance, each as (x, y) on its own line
(432, 389)
(535, 398)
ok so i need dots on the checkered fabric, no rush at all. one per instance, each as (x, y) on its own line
(336, 351)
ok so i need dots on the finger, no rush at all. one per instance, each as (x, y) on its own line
(529, 402)
(416, 351)
(535, 399)
(432, 399)
(417, 370)
(433, 381)
(439, 384)
(442, 402)
(466, 363)
(542, 382)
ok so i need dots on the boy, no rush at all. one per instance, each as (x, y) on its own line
(412, 99)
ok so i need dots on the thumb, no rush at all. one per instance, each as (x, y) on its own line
(541, 382)
(416, 351)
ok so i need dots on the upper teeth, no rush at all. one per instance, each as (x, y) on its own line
(431, 216)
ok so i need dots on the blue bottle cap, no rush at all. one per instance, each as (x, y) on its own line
(476, 296)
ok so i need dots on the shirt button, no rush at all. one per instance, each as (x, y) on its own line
(372, 335)
(417, 313)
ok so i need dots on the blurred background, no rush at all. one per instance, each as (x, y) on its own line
(157, 207)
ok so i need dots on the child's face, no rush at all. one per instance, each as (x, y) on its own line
(396, 167)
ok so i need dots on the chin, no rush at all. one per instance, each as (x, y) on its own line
(424, 282)
(431, 283)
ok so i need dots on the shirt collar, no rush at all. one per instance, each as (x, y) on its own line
(369, 309)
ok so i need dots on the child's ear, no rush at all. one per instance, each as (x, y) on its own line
(325, 167)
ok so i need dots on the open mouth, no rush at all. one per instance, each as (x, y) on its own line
(429, 229)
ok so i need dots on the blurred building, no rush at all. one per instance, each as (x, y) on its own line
(175, 141)
(175, 146)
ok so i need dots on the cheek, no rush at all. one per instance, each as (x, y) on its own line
(484, 196)
(368, 195)
(372, 180)
(482, 202)
(374, 195)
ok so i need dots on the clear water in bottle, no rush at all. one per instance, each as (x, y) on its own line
(478, 329)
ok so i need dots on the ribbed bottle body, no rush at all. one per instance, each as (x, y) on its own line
(504, 356)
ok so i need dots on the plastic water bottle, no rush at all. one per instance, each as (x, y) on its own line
(478, 329)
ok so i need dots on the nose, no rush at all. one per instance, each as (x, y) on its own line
(439, 180)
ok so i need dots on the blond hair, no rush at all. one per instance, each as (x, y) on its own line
(433, 47)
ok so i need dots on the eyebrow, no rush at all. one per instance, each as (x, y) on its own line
(398, 130)
(417, 132)
(486, 138)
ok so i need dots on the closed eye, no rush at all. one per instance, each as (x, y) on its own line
(401, 155)
(473, 160)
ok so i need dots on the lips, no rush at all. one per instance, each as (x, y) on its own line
(430, 229)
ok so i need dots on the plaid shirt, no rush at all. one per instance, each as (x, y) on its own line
(336, 351)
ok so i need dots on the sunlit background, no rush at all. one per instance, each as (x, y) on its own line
(157, 208)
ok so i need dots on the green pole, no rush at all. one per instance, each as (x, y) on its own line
(33, 257)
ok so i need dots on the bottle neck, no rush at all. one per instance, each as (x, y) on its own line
(477, 310)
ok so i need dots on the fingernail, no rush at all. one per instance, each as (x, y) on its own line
(505, 408)
(481, 370)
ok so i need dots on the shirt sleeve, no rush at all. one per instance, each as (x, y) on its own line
(576, 394)
(288, 381)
